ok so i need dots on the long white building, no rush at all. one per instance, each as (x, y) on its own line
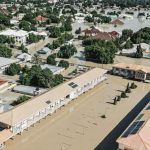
(24, 115)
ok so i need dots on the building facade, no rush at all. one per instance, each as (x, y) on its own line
(19, 36)
(39, 107)
(131, 71)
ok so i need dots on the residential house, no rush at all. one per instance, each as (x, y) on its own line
(24, 57)
(5, 62)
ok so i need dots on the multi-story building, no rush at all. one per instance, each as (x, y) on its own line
(19, 36)
(26, 114)
(137, 72)
(137, 135)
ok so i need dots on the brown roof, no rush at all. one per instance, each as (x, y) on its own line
(40, 18)
(117, 22)
(91, 31)
(3, 82)
(106, 36)
(134, 67)
(28, 108)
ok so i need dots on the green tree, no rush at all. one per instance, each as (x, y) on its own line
(51, 59)
(115, 101)
(5, 52)
(128, 44)
(118, 98)
(139, 52)
(64, 64)
(133, 85)
(123, 95)
(13, 69)
(67, 51)
(20, 100)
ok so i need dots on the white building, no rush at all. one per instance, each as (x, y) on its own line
(24, 57)
(21, 117)
(54, 69)
(19, 36)
(5, 62)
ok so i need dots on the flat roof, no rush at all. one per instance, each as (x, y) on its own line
(29, 90)
(6, 61)
(17, 33)
(37, 103)
(133, 67)
(54, 69)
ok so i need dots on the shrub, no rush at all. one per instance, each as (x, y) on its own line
(128, 90)
(133, 85)
(118, 98)
(20, 100)
(123, 95)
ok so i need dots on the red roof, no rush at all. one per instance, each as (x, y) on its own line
(106, 35)
(2, 82)
(40, 18)
(91, 31)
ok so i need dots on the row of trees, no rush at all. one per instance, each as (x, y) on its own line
(124, 93)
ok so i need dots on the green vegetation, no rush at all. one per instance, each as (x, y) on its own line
(128, 90)
(99, 51)
(61, 40)
(123, 95)
(133, 85)
(13, 69)
(34, 38)
(67, 51)
(115, 101)
(40, 78)
(5, 52)
(20, 100)
(118, 98)
(64, 64)
(51, 59)
(141, 36)
(6, 40)
(54, 31)
(128, 44)
(139, 52)
(23, 49)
